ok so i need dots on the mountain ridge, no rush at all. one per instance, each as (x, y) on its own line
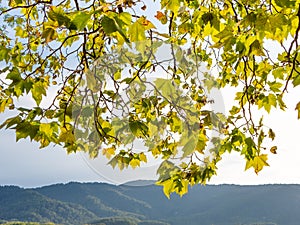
(96, 203)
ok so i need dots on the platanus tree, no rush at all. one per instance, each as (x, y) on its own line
(95, 71)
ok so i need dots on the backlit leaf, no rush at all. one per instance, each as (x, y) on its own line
(139, 129)
(189, 147)
(134, 163)
(257, 163)
(57, 14)
(81, 19)
(38, 91)
(172, 5)
(109, 25)
(109, 152)
(137, 30)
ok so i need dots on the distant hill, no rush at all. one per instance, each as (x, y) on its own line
(29, 205)
(139, 183)
(99, 204)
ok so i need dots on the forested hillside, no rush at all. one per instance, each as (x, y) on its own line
(97, 203)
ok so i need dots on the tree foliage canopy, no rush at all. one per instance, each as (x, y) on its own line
(94, 72)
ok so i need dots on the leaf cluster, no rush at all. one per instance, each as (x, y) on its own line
(100, 59)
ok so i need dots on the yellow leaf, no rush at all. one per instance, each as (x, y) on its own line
(66, 136)
(189, 147)
(153, 129)
(185, 187)
(109, 152)
(4, 103)
(104, 7)
(134, 163)
(201, 143)
(143, 157)
(137, 31)
(46, 128)
(172, 5)
(168, 187)
(249, 164)
(91, 81)
(259, 162)
(155, 151)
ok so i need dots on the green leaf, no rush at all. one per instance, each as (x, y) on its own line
(250, 148)
(38, 90)
(260, 139)
(139, 129)
(57, 14)
(11, 122)
(275, 86)
(117, 75)
(285, 3)
(267, 102)
(14, 75)
(123, 162)
(125, 17)
(256, 48)
(281, 103)
(137, 31)
(80, 20)
(109, 25)
(296, 81)
(25, 129)
(4, 53)
(66, 136)
(14, 3)
(279, 73)
(166, 87)
(172, 5)
(113, 162)
(175, 123)
(49, 34)
(92, 83)
(87, 111)
(189, 147)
